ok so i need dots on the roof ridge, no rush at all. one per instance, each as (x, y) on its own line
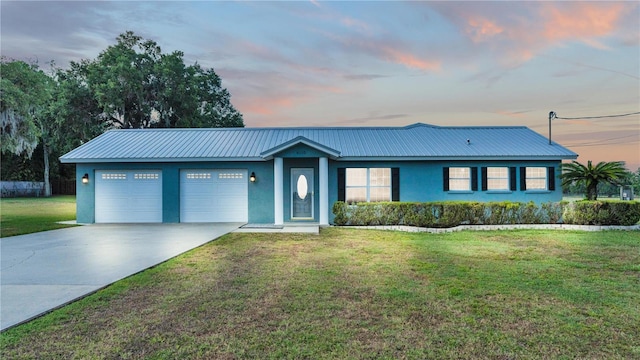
(485, 127)
(332, 128)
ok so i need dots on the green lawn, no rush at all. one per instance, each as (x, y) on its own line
(29, 215)
(354, 294)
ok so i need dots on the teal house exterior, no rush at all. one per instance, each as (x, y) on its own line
(286, 175)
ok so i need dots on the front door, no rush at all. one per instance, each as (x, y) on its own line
(302, 193)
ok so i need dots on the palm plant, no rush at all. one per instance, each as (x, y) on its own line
(609, 172)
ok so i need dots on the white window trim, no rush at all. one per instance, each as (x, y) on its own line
(368, 185)
(505, 178)
(544, 177)
(451, 178)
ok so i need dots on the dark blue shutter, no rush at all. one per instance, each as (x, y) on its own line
(551, 178)
(484, 178)
(445, 178)
(395, 184)
(474, 179)
(523, 178)
(512, 178)
(341, 184)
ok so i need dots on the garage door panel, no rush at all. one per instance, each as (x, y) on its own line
(128, 196)
(213, 195)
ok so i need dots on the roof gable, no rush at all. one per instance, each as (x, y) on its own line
(294, 143)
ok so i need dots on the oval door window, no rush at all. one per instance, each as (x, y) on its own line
(302, 187)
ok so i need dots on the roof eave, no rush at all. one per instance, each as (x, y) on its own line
(458, 158)
(158, 160)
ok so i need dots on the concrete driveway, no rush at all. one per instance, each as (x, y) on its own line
(43, 271)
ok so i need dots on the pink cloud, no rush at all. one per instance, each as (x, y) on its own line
(517, 114)
(266, 105)
(522, 30)
(579, 122)
(387, 50)
(355, 24)
(480, 29)
(580, 20)
(267, 95)
(409, 60)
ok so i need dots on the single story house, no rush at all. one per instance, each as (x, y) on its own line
(283, 175)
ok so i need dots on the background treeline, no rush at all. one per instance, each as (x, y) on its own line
(132, 84)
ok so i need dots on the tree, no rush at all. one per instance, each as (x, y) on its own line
(634, 181)
(137, 86)
(25, 98)
(591, 176)
(76, 108)
(131, 84)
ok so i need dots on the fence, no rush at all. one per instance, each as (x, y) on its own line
(36, 188)
(21, 188)
(63, 187)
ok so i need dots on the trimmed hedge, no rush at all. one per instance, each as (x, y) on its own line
(450, 214)
(602, 212)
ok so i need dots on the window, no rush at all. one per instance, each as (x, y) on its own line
(199, 175)
(536, 178)
(370, 185)
(230, 175)
(497, 178)
(114, 176)
(145, 176)
(459, 178)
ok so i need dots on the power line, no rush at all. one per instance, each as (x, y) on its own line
(593, 117)
(604, 144)
(597, 142)
(554, 115)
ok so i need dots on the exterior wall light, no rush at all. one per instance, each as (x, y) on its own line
(252, 177)
(85, 178)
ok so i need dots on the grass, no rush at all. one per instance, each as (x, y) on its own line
(356, 294)
(28, 215)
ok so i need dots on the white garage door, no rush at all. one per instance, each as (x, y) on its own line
(214, 195)
(128, 196)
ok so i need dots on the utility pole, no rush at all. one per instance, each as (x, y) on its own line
(552, 115)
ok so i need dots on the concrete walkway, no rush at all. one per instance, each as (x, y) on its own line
(43, 271)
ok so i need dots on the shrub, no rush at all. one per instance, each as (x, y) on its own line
(340, 211)
(529, 213)
(550, 212)
(418, 214)
(450, 213)
(601, 212)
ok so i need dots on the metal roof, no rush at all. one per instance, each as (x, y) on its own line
(413, 142)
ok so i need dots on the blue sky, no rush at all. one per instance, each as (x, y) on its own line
(311, 63)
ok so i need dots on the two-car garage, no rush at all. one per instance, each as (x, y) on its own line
(206, 195)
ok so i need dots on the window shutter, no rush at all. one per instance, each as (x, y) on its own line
(445, 178)
(341, 184)
(512, 178)
(523, 178)
(395, 184)
(474, 179)
(484, 178)
(551, 178)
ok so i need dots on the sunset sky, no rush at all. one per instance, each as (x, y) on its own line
(382, 63)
